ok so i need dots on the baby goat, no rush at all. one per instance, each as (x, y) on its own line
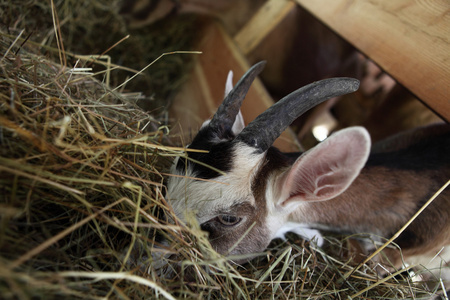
(337, 185)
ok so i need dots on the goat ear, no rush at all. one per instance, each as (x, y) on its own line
(238, 124)
(328, 169)
(228, 84)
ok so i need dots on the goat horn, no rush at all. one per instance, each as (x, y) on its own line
(268, 126)
(226, 114)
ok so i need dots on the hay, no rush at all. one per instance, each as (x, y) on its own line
(73, 154)
(82, 210)
(91, 27)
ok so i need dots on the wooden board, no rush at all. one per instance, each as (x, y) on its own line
(202, 94)
(410, 40)
(262, 23)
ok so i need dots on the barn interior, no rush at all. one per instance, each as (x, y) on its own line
(98, 97)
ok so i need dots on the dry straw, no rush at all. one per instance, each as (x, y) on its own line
(82, 208)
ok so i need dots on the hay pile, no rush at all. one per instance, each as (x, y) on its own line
(82, 207)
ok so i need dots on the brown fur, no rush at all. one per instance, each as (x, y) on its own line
(382, 199)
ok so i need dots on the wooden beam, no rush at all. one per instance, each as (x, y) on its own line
(262, 23)
(410, 40)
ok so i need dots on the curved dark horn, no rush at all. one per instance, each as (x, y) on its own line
(268, 126)
(226, 114)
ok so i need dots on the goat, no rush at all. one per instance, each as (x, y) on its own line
(245, 186)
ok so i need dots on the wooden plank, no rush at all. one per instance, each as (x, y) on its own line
(410, 40)
(202, 94)
(262, 23)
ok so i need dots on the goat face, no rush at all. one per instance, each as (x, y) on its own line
(240, 187)
(224, 204)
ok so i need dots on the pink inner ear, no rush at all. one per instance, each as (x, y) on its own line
(238, 124)
(327, 170)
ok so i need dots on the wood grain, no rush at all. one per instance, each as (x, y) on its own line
(262, 23)
(410, 40)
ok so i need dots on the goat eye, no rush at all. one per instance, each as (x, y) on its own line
(228, 220)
